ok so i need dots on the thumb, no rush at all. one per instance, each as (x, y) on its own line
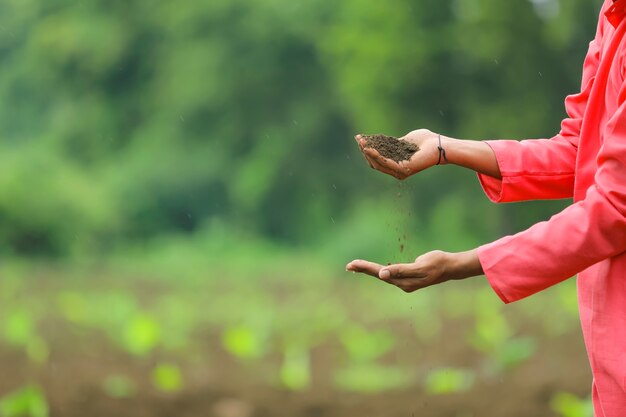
(397, 271)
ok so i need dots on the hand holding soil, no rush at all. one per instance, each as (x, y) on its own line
(400, 157)
(390, 147)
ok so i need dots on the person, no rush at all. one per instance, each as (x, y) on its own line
(586, 161)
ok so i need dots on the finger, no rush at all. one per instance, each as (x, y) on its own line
(375, 165)
(399, 271)
(362, 145)
(381, 163)
(404, 167)
(360, 141)
(364, 267)
(375, 156)
(382, 168)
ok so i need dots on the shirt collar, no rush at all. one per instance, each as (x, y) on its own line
(616, 12)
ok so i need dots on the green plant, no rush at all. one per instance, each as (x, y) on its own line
(569, 405)
(295, 371)
(514, 351)
(365, 345)
(74, 307)
(448, 381)
(491, 329)
(245, 342)
(142, 334)
(493, 335)
(21, 330)
(29, 401)
(372, 378)
(167, 377)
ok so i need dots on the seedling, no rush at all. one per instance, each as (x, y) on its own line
(245, 342)
(142, 334)
(295, 372)
(569, 405)
(372, 378)
(363, 345)
(167, 378)
(26, 402)
(21, 330)
(449, 381)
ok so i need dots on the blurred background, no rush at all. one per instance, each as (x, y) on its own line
(180, 192)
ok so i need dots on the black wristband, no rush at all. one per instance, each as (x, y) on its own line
(442, 152)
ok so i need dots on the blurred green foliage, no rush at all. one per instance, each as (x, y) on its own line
(369, 378)
(365, 345)
(448, 381)
(25, 402)
(569, 405)
(245, 342)
(167, 378)
(125, 121)
(295, 372)
(20, 331)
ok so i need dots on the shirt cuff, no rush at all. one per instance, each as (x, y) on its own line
(493, 187)
(495, 280)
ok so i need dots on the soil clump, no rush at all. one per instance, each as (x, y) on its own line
(390, 147)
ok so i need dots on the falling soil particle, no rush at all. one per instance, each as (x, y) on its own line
(401, 247)
(390, 147)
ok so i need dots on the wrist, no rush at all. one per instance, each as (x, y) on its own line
(442, 159)
(434, 144)
(444, 149)
(475, 155)
(463, 265)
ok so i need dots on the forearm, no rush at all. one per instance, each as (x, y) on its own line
(463, 265)
(471, 154)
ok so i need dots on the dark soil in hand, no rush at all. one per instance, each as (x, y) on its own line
(390, 147)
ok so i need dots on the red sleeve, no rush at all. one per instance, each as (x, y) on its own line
(538, 169)
(583, 234)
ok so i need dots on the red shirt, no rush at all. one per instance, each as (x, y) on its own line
(586, 161)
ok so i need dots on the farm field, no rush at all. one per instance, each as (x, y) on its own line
(98, 342)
